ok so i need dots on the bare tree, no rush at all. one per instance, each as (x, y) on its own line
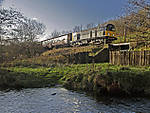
(18, 35)
(65, 32)
(55, 33)
(77, 28)
(138, 17)
(89, 26)
(29, 30)
(9, 19)
(136, 20)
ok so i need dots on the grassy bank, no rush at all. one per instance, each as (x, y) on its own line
(98, 78)
(16, 78)
(108, 79)
(72, 55)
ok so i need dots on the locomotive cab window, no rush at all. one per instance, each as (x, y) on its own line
(110, 27)
(95, 33)
(90, 34)
(78, 36)
(70, 36)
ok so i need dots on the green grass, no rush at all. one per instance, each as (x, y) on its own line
(62, 70)
(17, 77)
(99, 78)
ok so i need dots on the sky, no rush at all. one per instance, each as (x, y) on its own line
(65, 14)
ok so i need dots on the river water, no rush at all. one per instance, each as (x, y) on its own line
(61, 100)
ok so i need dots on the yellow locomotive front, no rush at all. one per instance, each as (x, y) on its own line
(110, 32)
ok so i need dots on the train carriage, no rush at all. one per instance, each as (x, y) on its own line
(97, 35)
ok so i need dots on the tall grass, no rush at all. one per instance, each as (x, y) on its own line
(104, 79)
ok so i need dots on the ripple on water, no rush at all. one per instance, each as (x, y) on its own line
(41, 100)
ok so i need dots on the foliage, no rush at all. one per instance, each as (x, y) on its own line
(108, 79)
(134, 25)
(17, 80)
(105, 79)
(55, 56)
(14, 25)
(18, 35)
(71, 50)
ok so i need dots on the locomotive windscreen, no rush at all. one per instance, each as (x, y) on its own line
(110, 27)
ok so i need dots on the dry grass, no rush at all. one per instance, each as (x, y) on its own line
(57, 56)
(66, 51)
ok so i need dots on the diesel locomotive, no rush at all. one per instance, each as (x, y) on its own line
(97, 35)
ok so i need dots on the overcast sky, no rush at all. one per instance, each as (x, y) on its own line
(65, 14)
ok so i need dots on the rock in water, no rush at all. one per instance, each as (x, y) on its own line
(53, 94)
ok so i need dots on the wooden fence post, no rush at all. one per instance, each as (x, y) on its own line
(135, 58)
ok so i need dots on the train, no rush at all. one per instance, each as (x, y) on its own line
(97, 35)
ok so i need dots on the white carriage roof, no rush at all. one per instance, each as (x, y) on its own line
(120, 44)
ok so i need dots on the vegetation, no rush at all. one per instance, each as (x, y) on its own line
(18, 36)
(21, 33)
(17, 78)
(72, 55)
(133, 26)
(25, 64)
(103, 79)
(108, 79)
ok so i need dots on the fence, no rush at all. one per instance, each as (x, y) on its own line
(135, 58)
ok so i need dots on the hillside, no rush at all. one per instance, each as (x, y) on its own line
(73, 55)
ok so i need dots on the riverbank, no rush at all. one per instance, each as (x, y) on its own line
(102, 78)
(17, 78)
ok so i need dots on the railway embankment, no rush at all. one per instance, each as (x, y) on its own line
(101, 79)
(72, 55)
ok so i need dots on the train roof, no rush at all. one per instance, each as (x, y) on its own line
(94, 28)
(55, 37)
(120, 44)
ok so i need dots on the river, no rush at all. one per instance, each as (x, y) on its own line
(61, 100)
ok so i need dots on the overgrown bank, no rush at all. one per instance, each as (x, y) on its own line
(98, 78)
(17, 78)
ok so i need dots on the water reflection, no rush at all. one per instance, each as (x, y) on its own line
(42, 100)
